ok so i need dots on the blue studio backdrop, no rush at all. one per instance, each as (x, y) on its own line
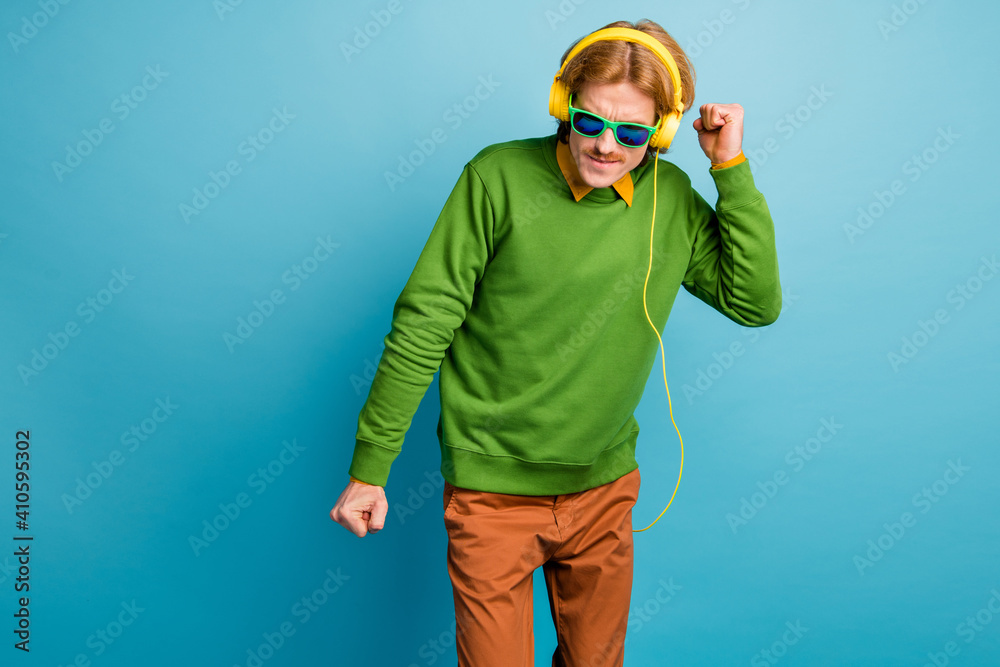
(209, 208)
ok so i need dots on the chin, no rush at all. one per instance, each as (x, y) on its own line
(602, 180)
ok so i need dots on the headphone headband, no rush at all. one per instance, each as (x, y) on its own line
(636, 37)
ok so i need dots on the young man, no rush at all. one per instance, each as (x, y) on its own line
(529, 296)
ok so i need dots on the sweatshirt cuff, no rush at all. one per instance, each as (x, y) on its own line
(735, 185)
(730, 162)
(371, 462)
(355, 479)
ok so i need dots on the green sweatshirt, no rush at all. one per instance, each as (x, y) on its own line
(531, 305)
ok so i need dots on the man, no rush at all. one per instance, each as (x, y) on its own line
(529, 295)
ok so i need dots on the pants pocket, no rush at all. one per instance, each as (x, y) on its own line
(448, 496)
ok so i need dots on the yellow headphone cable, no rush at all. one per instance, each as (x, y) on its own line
(656, 160)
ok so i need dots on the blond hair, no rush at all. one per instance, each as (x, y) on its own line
(614, 61)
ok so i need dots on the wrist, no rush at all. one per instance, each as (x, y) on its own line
(734, 160)
(355, 479)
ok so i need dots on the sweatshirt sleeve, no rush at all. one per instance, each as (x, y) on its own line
(431, 306)
(734, 262)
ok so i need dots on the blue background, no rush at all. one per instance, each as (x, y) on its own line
(744, 558)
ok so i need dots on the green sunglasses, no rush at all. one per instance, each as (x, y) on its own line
(589, 124)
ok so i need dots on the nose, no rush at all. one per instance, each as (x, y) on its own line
(606, 142)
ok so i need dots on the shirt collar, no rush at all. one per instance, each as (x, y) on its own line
(623, 186)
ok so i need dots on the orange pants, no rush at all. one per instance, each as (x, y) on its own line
(583, 541)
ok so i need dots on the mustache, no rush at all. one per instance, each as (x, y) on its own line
(608, 157)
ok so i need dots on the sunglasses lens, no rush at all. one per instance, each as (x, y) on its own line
(587, 125)
(632, 135)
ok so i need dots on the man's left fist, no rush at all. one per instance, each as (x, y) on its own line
(720, 131)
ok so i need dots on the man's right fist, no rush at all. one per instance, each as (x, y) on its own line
(361, 508)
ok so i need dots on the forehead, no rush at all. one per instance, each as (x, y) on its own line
(621, 101)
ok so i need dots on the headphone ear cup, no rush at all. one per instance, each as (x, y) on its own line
(668, 128)
(559, 100)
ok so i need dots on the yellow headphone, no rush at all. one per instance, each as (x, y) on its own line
(560, 92)
(559, 107)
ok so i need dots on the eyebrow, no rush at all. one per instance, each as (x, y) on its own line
(633, 122)
(637, 122)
